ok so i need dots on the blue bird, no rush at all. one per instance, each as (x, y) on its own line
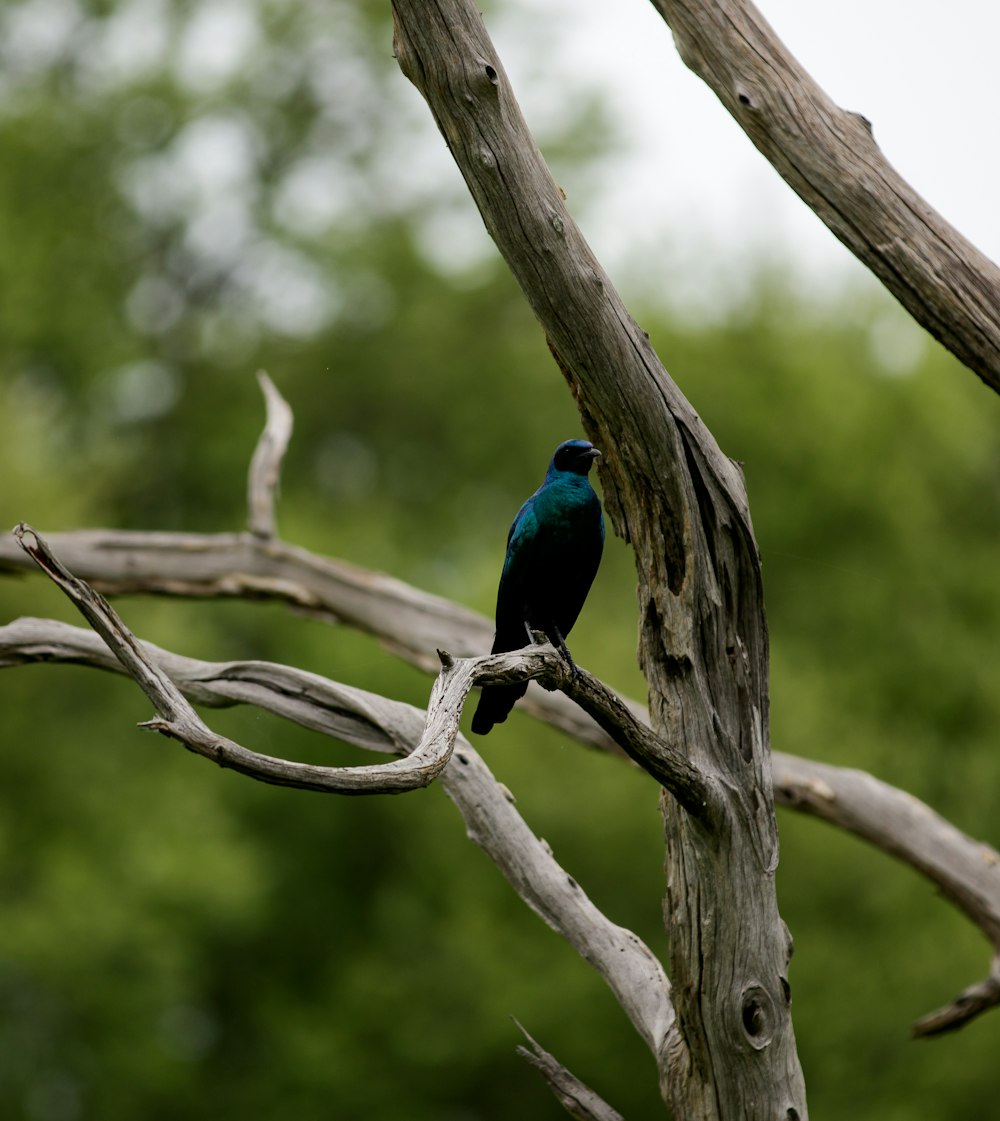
(553, 551)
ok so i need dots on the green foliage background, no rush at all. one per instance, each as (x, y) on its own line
(176, 942)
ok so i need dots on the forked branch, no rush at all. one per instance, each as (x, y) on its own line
(377, 723)
(410, 622)
(178, 720)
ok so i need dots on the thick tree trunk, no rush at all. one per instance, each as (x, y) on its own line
(703, 644)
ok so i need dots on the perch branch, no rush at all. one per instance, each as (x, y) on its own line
(448, 695)
(628, 967)
(265, 465)
(178, 720)
(692, 789)
(413, 624)
(829, 157)
(577, 1099)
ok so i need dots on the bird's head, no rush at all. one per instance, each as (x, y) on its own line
(574, 455)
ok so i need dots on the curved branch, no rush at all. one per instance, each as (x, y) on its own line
(178, 720)
(628, 967)
(412, 623)
(830, 159)
(965, 870)
(448, 696)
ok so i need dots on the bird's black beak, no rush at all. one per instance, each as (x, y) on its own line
(592, 454)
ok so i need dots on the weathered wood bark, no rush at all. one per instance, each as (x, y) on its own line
(829, 157)
(966, 871)
(377, 723)
(703, 643)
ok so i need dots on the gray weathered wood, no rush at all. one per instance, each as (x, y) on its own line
(681, 503)
(412, 623)
(377, 723)
(966, 871)
(179, 721)
(829, 157)
(265, 464)
(576, 1098)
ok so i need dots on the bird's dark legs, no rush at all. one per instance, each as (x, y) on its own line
(560, 645)
(552, 634)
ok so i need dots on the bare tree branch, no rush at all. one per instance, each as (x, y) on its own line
(577, 1099)
(967, 872)
(830, 159)
(448, 696)
(179, 721)
(265, 465)
(966, 1006)
(412, 623)
(628, 967)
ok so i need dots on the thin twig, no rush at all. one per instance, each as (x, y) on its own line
(574, 1096)
(265, 466)
(970, 1003)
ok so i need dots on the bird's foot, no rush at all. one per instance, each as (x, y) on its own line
(554, 638)
(560, 645)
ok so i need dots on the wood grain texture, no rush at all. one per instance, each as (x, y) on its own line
(380, 724)
(412, 623)
(830, 158)
(681, 502)
(965, 871)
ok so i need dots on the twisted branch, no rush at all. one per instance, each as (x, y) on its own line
(413, 623)
(379, 724)
(177, 720)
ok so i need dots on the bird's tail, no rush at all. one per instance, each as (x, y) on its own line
(495, 703)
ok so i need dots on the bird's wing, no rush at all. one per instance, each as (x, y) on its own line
(518, 566)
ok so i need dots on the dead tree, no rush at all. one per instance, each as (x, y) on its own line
(720, 1029)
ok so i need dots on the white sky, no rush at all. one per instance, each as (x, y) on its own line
(685, 206)
(925, 74)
